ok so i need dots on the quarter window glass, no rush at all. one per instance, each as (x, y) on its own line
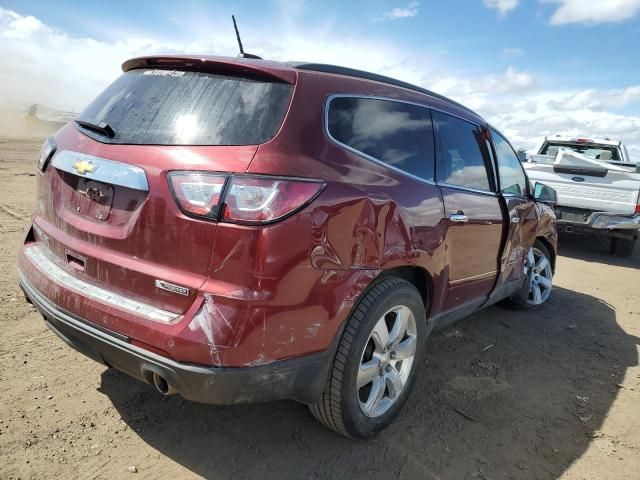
(512, 178)
(398, 134)
(462, 153)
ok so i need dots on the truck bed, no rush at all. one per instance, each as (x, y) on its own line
(595, 186)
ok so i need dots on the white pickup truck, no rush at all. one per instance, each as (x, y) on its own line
(597, 186)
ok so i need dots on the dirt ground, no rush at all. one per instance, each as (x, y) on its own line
(548, 393)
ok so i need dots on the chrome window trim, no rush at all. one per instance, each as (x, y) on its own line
(362, 154)
(107, 171)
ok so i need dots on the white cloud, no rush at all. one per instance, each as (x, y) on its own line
(39, 64)
(592, 12)
(508, 53)
(517, 104)
(47, 66)
(598, 100)
(411, 10)
(511, 81)
(526, 128)
(18, 26)
(502, 6)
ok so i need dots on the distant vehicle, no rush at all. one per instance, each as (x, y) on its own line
(42, 118)
(240, 230)
(597, 186)
(604, 149)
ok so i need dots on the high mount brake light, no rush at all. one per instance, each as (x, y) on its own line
(244, 199)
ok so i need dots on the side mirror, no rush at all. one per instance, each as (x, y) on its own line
(544, 194)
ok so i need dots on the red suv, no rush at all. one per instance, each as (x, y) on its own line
(239, 230)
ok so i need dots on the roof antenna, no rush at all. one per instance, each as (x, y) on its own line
(242, 54)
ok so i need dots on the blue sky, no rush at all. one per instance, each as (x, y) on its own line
(532, 67)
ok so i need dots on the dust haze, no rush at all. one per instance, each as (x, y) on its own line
(14, 123)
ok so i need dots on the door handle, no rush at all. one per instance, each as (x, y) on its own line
(515, 219)
(459, 218)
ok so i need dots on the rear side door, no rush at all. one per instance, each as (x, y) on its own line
(521, 211)
(473, 214)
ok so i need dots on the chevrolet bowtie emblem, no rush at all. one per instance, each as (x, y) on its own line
(83, 167)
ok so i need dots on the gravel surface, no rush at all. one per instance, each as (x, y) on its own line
(547, 393)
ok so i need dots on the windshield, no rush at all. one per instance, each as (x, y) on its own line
(175, 107)
(591, 150)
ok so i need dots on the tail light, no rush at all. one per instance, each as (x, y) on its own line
(245, 199)
(197, 193)
(638, 206)
(46, 152)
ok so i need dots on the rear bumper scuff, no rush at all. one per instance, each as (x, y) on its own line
(300, 378)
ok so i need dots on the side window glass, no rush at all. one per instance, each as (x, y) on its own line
(462, 153)
(398, 134)
(512, 178)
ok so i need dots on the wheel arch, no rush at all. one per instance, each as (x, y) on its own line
(418, 277)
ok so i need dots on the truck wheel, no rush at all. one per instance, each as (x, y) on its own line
(539, 283)
(622, 247)
(375, 365)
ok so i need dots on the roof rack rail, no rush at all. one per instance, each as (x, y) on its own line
(352, 72)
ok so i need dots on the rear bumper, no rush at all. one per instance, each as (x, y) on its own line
(603, 221)
(300, 378)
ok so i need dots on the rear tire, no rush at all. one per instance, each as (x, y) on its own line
(622, 247)
(374, 367)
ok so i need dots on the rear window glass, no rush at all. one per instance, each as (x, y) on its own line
(597, 152)
(398, 134)
(174, 107)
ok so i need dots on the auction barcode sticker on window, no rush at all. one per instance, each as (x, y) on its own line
(165, 73)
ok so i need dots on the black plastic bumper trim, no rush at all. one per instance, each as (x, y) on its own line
(301, 378)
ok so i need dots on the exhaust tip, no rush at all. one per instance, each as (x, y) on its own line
(162, 385)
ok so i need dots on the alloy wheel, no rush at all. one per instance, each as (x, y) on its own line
(386, 361)
(539, 269)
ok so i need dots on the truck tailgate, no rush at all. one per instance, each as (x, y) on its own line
(616, 192)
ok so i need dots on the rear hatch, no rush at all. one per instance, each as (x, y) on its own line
(105, 205)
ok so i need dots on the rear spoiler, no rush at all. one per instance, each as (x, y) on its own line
(240, 67)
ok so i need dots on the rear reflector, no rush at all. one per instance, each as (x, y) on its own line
(256, 200)
(197, 193)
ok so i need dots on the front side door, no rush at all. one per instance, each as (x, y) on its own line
(522, 217)
(473, 214)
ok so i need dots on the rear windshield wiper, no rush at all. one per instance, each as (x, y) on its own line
(102, 127)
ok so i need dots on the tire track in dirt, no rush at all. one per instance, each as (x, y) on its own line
(9, 211)
(557, 395)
